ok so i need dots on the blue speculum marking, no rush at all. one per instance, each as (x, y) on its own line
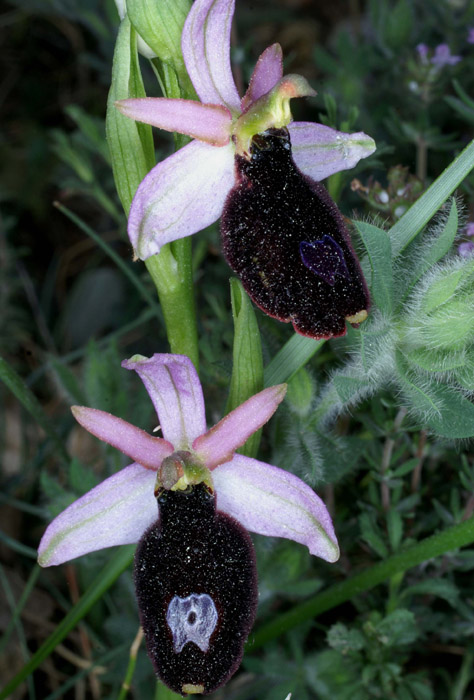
(325, 258)
(192, 619)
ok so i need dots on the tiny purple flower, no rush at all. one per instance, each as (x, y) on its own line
(262, 497)
(469, 230)
(443, 57)
(466, 249)
(423, 52)
(470, 35)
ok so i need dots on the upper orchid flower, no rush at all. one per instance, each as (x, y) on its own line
(186, 192)
(194, 566)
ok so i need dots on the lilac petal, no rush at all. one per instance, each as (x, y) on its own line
(145, 449)
(175, 390)
(267, 72)
(209, 123)
(220, 442)
(273, 502)
(320, 151)
(181, 195)
(117, 511)
(206, 50)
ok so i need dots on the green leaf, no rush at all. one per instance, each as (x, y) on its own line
(379, 250)
(408, 227)
(432, 361)
(446, 411)
(371, 533)
(463, 94)
(247, 369)
(439, 587)
(29, 401)
(465, 375)
(435, 250)
(130, 143)
(466, 112)
(300, 393)
(295, 353)
(345, 640)
(398, 628)
(68, 380)
(457, 414)
(399, 27)
(349, 388)
(395, 528)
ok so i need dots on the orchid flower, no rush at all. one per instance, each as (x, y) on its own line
(186, 192)
(262, 497)
(195, 573)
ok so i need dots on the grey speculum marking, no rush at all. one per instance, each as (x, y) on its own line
(192, 619)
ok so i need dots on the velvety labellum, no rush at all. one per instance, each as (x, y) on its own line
(196, 587)
(287, 241)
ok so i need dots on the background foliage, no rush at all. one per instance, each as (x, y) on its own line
(378, 422)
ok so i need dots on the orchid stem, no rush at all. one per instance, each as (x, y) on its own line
(132, 662)
(171, 271)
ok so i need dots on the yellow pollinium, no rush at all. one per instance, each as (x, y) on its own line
(272, 110)
(358, 317)
(190, 689)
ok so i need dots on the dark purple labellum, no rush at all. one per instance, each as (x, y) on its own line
(285, 238)
(196, 586)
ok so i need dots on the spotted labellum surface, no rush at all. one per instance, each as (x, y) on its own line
(196, 587)
(286, 240)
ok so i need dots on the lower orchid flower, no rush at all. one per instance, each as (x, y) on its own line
(300, 265)
(189, 500)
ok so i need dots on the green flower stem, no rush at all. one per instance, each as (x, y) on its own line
(117, 564)
(132, 662)
(172, 274)
(450, 539)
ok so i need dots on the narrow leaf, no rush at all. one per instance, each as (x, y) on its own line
(130, 143)
(247, 369)
(295, 353)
